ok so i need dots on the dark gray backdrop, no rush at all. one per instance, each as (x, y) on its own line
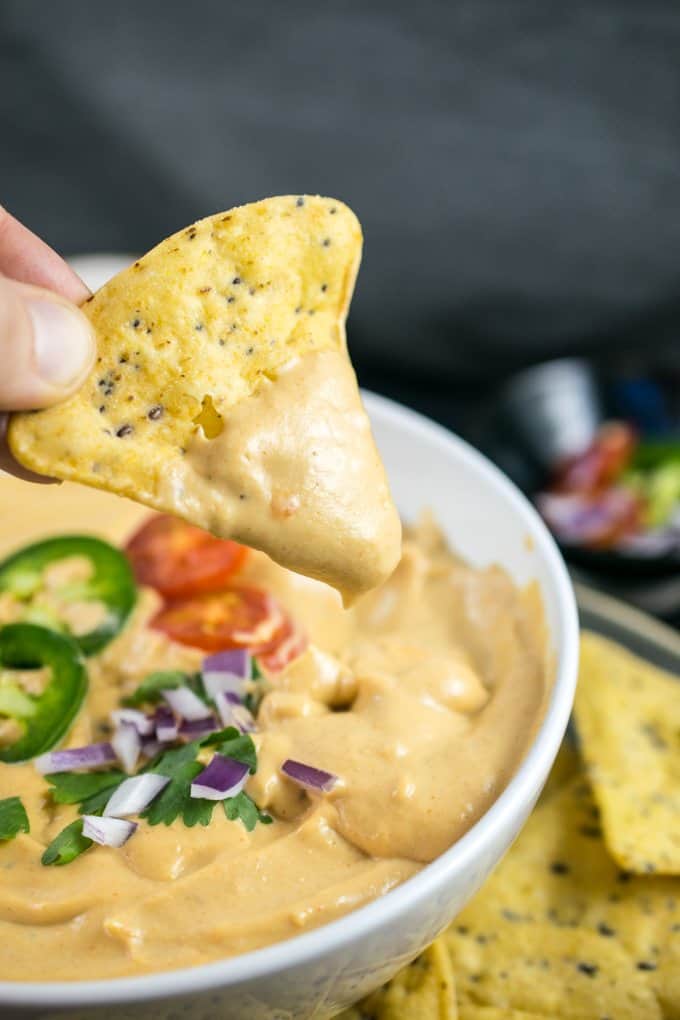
(515, 163)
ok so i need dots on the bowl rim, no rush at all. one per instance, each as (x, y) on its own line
(301, 949)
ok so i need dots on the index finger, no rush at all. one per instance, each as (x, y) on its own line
(24, 257)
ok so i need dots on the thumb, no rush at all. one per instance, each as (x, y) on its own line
(47, 347)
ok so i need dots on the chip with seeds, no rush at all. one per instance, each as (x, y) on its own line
(471, 1011)
(560, 874)
(223, 392)
(628, 719)
(566, 765)
(556, 972)
(422, 991)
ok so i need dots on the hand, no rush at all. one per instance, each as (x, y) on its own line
(47, 346)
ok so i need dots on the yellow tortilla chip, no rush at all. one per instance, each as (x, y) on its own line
(628, 719)
(566, 765)
(559, 873)
(565, 972)
(422, 991)
(223, 393)
(470, 1011)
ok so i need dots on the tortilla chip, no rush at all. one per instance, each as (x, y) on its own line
(203, 325)
(422, 991)
(567, 764)
(470, 1011)
(559, 873)
(565, 972)
(628, 718)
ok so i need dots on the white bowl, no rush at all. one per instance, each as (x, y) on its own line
(315, 974)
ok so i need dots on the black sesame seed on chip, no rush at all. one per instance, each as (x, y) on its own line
(559, 868)
(605, 930)
(124, 430)
(589, 969)
(236, 281)
(324, 288)
(645, 965)
(136, 323)
(326, 242)
(155, 412)
(300, 202)
(199, 327)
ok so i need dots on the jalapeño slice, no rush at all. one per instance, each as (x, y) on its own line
(109, 582)
(44, 718)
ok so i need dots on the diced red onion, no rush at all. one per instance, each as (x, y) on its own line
(309, 777)
(234, 714)
(166, 725)
(87, 757)
(195, 728)
(135, 794)
(227, 671)
(186, 704)
(232, 660)
(108, 831)
(143, 723)
(224, 683)
(127, 744)
(224, 777)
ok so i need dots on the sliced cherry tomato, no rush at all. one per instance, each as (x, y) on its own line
(601, 464)
(179, 559)
(232, 618)
(289, 642)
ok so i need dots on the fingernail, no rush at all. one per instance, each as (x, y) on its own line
(62, 341)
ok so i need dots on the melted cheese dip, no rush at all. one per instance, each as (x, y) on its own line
(422, 698)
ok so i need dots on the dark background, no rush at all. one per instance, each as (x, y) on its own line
(515, 163)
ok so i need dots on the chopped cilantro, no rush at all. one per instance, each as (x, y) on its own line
(92, 790)
(244, 808)
(89, 790)
(253, 698)
(67, 845)
(149, 691)
(13, 818)
(234, 744)
(181, 768)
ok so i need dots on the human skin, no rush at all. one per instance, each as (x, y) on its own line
(47, 346)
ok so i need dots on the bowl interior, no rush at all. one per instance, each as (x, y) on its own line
(487, 521)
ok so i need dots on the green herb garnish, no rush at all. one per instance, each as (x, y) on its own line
(181, 768)
(244, 808)
(13, 818)
(233, 744)
(89, 790)
(69, 844)
(150, 690)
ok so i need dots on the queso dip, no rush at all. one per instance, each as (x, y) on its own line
(419, 701)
